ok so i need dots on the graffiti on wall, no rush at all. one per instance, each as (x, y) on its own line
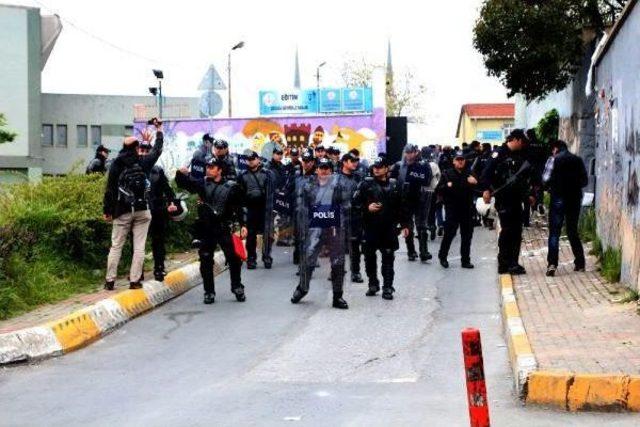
(367, 133)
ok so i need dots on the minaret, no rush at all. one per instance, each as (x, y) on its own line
(296, 75)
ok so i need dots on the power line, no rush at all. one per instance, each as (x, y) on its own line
(98, 38)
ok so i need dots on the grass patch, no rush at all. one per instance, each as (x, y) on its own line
(587, 225)
(54, 243)
(611, 263)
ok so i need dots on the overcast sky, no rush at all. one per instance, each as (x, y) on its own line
(184, 37)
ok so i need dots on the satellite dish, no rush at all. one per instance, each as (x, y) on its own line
(210, 104)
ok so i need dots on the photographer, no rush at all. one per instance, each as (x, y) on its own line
(126, 203)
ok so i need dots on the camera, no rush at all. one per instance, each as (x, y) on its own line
(154, 121)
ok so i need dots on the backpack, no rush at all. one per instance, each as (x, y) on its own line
(133, 185)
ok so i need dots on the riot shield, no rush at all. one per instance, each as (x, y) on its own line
(267, 237)
(322, 223)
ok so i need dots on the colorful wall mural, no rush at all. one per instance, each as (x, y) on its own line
(365, 132)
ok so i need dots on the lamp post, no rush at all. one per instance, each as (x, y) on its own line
(237, 46)
(159, 75)
(154, 91)
(322, 64)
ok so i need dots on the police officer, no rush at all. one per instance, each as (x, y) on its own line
(294, 164)
(257, 185)
(306, 173)
(196, 170)
(478, 166)
(161, 201)
(506, 178)
(222, 202)
(349, 180)
(221, 152)
(333, 154)
(379, 201)
(457, 187)
(322, 224)
(280, 175)
(320, 152)
(414, 177)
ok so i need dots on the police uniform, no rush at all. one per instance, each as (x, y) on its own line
(300, 179)
(282, 209)
(414, 180)
(457, 195)
(349, 184)
(161, 195)
(380, 229)
(222, 208)
(258, 190)
(322, 223)
(507, 176)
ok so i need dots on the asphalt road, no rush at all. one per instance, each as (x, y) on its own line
(268, 362)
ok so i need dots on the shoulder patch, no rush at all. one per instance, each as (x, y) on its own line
(494, 155)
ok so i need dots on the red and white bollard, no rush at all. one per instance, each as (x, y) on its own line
(474, 373)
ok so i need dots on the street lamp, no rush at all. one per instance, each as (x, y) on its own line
(322, 64)
(159, 75)
(154, 91)
(238, 46)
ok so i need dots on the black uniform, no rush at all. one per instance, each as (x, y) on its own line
(457, 195)
(229, 171)
(298, 184)
(258, 190)
(97, 165)
(380, 229)
(507, 176)
(349, 184)
(160, 196)
(413, 180)
(222, 208)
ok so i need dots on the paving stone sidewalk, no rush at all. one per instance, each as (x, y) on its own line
(572, 320)
(50, 312)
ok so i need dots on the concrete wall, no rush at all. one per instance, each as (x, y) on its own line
(20, 45)
(618, 144)
(111, 113)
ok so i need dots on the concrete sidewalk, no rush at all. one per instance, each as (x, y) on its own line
(586, 343)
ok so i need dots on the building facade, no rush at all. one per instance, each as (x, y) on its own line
(485, 122)
(617, 119)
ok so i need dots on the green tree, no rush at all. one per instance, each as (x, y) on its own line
(536, 46)
(5, 135)
(547, 128)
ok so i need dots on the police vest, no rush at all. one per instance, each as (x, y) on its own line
(324, 216)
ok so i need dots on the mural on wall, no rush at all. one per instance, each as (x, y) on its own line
(367, 133)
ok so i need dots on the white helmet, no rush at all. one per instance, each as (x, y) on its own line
(181, 213)
(484, 208)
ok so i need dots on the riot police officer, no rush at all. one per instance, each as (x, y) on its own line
(506, 177)
(280, 174)
(221, 152)
(349, 180)
(321, 206)
(414, 177)
(222, 203)
(379, 201)
(306, 172)
(258, 188)
(457, 188)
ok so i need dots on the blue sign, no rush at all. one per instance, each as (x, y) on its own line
(290, 102)
(312, 101)
(330, 100)
(490, 135)
(324, 216)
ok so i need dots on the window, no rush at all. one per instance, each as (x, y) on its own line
(83, 136)
(128, 130)
(47, 135)
(96, 135)
(61, 135)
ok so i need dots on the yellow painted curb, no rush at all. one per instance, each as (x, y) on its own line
(506, 282)
(598, 392)
(633, 393)
(548, 388)
(133, 302)
(75, 330)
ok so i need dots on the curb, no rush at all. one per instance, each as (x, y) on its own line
(523, 361)
(564, 390)
(83, 327)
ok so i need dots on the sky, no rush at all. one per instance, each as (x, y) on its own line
(111, 47)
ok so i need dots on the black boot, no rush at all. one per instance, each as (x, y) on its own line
(356, 278)
(251, 264)
(298, 294)
(387, 292)
(159, 273)
(374, 288)
(443, 262)
(239, 293)
(109, 286)
(339, 302)
(412, 256)
(423, 246)
(268, 262)
(467, 264)
(426, 257)
(209, 298)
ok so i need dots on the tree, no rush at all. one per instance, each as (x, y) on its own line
(405, 95)
(547, 128)
(536, 46)
(5, 135)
